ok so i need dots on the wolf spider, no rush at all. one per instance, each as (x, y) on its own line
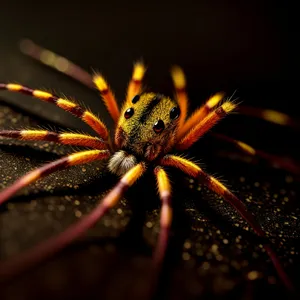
(148, 128)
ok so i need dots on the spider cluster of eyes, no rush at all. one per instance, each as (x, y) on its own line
(159, 125)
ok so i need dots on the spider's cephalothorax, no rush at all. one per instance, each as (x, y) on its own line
(147, 128)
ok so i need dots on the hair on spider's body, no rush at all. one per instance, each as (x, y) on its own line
(147, 130)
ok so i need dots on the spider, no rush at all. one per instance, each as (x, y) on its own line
(149, 128)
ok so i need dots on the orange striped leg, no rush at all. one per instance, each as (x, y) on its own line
(29, 259)
(135, 84)
(201, 128)
(66, 138)
(164, 188)
(85, 115)
(213, 184)
(108, 97)
(270, 115)
(60, 164)
(56, 62)
(274, 160)
(179, 82)
(200, 114)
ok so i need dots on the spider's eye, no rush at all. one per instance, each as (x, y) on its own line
(135, 99)
(129, 113)
(159, 126)
(174, 113)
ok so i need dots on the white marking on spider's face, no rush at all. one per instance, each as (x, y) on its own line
(121, 162)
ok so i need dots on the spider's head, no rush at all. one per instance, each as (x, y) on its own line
(147, 125)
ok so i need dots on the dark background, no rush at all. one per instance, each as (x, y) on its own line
(248, 46)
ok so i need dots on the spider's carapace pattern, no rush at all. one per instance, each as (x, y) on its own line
(149, 129)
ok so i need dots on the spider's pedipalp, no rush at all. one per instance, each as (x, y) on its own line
(65, 104)
(14, 267)
(206, 124)
(216, 186)
(121, 162)
(65, 138)
(135, 84)
(108, 96)
(200, 114)
(76, 158)
(276, 161)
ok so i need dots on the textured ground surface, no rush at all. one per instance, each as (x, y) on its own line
(213, 252)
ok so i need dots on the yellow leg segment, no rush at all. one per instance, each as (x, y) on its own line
(66, 138)
(164, 188)
(216, 186)
(201, 128)
(60, 164)
(200, 114)
(135, 84)
(179, 82)
(65, 104)
(108, 97)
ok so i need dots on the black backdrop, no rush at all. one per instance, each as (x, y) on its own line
(249, 46)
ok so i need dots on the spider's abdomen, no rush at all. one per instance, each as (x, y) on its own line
(147, 125)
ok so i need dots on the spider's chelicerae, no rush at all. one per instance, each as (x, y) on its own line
(148, 129)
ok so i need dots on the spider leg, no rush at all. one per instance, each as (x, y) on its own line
(67, 67)
(65, 138)
(179, 82)
(213, 184)
(57, 62)
(108, 97)
(206, 124)
(164, 188)
(200, 114)
(270, 115)
(85, 115)
(26, 260)
(72, 70)
(135, 84)
(286, 164)
(60, 164)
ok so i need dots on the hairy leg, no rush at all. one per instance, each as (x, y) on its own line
(216, 186)
(276, 161)
(86, 116)
(206, 124)
(76, 158)
(65, 138)
(15, 266)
